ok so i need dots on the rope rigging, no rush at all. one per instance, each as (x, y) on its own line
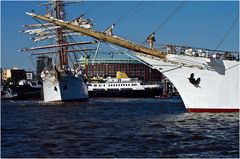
(151, 38)
(169, 16)
(210, 25)
(144, 6)
(56, 57)
(75, 56)
(94, 7)
(227, 33)
(109, 30)
(128, 12)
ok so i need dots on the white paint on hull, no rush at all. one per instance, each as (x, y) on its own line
(67, 88)
(219, 86)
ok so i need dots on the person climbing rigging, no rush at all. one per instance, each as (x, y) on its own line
(109, 30)
(150, 39)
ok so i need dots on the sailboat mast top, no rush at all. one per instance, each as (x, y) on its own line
(102, 36)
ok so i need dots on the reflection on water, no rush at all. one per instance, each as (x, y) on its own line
(116, 127)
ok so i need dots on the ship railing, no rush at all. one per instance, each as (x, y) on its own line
(200, 52)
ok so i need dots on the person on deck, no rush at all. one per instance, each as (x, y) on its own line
(151, 39)
(109, 30)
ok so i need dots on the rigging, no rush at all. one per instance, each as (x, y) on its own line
(67, 44)
(117, 21)
(169, 16)
(128, 12)
(94, 7)
(208, 27)
(227, 33)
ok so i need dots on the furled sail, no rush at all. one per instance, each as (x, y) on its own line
(102, 36)
(40, 30)
(38, 25)
(58, 45)
(41, 38)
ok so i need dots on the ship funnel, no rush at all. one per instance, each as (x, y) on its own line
(121, 75)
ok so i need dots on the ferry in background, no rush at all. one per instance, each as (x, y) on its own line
(123, 86)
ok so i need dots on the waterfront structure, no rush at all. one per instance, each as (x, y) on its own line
(14, 74)
(206, 83)
(6, 74)
(108, 67)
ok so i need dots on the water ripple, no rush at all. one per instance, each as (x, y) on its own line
(116, 127)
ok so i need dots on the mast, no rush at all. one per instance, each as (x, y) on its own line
(103, 37)
(59, 13)
(47, 31)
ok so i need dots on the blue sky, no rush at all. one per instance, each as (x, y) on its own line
(197, 23)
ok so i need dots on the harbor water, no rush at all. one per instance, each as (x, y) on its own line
(116, 127)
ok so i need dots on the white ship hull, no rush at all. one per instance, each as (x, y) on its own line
(66, 88)
(218, 90)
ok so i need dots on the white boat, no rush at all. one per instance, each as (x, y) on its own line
(60, 83)
(206, 84)
(123, 86)
(62, 86)
(217, 89)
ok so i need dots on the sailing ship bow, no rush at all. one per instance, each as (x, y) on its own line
(102, 36)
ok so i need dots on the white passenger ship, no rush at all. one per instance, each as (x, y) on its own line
(122, 86)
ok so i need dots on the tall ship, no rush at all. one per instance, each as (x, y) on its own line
(206, 82)
(123, 86)
(60, 80)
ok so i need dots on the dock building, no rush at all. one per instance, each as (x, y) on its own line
(108, 67)
(14, 74)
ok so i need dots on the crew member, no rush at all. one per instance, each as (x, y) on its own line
(151, 39)
(109, 30)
